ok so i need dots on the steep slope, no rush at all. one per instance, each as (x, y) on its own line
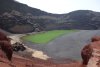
(83, 19)
(9, 5)
(16, 17)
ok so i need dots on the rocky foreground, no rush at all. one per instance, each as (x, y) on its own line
(25, 59)
(18, 61)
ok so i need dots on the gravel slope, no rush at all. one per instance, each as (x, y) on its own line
(67, 46)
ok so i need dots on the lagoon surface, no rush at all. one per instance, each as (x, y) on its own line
(66, 46)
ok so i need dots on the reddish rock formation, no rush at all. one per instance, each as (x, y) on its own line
(4, 37)
(7, 48)
(87, 51)
(86, 54)
(6, 45)
(95, 38)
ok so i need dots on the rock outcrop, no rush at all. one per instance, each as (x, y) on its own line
(6, 45)
(91, 53)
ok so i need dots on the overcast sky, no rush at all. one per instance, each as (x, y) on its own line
(63, 6)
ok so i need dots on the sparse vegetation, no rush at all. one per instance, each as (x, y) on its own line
(46, 37)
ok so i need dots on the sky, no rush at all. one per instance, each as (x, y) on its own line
(63, 6)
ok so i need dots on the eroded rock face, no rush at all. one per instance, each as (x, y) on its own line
(86, 54)
(91, 52)
(6, 45)
(3, 37)
(95, 38)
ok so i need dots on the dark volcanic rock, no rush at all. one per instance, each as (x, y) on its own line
(16, 17)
